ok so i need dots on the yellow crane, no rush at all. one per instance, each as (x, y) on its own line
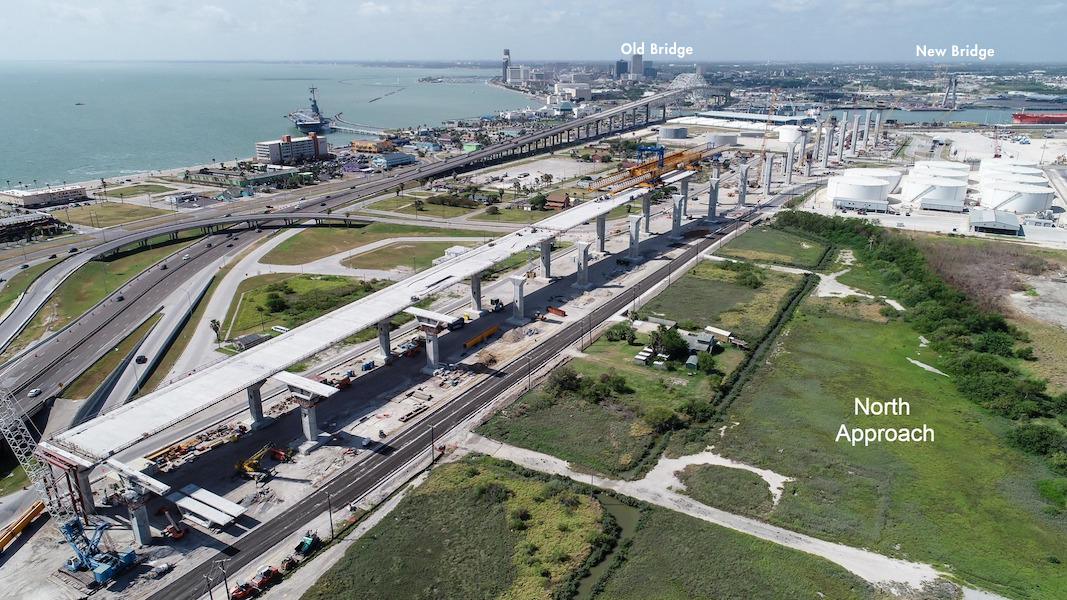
(250, 467)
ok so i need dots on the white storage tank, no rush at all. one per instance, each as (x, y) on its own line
(789, 134)
(944, 165)
(955, 174)
(722, 139)
(857, 188)
(1018, 197)
(1005, 162)
(1016, 169)
(889, 175)
(941, 189)
(673, 132)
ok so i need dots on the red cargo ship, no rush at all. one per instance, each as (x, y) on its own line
(1039, 118)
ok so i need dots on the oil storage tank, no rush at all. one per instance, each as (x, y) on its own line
(789, 134)
(945, 165)
(858, 193)
(992, 163)
(722, 139)
(941, 172)
(889, 175)
(673, 132)
(935, 193)
(1018, 197)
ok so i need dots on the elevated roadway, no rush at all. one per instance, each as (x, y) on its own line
(110, 433)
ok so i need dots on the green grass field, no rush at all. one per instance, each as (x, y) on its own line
(676, 557)
(137, 190)
(610, 437)
(18, 284)
(315, 243)
(87, 382)
(766, 244)
(512, 215)
(707, 295)
(964, 500)
(416, 255)
(107, 214)
(405, 205)
(474, 529)
(305, 296)
(85, 288)
(734, 490)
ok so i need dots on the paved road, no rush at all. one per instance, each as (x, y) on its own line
(409, 444)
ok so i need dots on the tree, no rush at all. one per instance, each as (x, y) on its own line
(705, 362)
(399, 189)
(217, 328)
(492, 210)
(276, 304)
(621, 331)
(661, 419)
(674, 345)
(418, 204)
(547, 178)
(538, 202)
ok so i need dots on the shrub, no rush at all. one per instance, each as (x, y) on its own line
(1036, 438)
(493, 491)
(705, 362)
(562, 380)
(994, 342)
(661, 419)
(621, 331)
(1058, 462)
(1026, 353)
(749, 279)
(492, 210)
(889, 312)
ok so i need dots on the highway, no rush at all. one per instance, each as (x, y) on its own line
(364, 476)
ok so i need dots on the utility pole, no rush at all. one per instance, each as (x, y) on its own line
(221, 564)
(329, 510)
(207, 582)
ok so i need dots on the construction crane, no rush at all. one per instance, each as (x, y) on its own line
(657, 150)
(250, 467)
(996, 142)
(649, 172)
(62, 504)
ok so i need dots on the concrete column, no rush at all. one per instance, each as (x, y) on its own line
(867, 130)
(255, 403)
(829, 146)
(646, 211)
(309, 421)
(789, 164)
(647, 107)
(383, 340)
(713, 197)
(583, 265)
(635, 237)
(855, 146)
(768, 168)
(803, 156)
(476, 293)
(664, 112)
(807, 168)
(142, 531)
(742, 183)
(546, 258)
(685, 195)
(601, 233)
(518, 301)
(678, 201)
(433, 350)
(843, 129)
(877, 126)
(86, 489)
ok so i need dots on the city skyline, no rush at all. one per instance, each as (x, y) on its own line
(405, 30)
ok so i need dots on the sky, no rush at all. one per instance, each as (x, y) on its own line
(352, 30)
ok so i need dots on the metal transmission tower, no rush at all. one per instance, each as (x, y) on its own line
(62, 505)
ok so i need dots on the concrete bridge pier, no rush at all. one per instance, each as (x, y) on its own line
(433, 348)
(790, 156)
(877, 126)
(142, 530)
(742, 183)
(829, 146)
(713, 197)
(647, 110)
(768, 170)
(309, 422)
(601, 233)
(867, 130)
(546, 258)
(854, 148)
(635, 237)
(476, 295)
(384, 346)
(583, 266)
(255, 405)
(518, 302)
(678, 202)
(85, 490)
(646, 211)
(841, 139)
(685, 198)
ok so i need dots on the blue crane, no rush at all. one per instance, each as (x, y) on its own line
(657, 150)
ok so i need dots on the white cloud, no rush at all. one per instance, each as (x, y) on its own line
(371, 9)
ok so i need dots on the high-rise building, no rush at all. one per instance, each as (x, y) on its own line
(621, 68)
(507, 63)
(637, 64)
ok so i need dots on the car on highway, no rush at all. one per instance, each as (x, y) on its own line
(120, 298)
(229, 245)
(34, 393)
(141, 359)
(163, 267)
(323, 204)
(51, 256)
(186, 257)
(25, 267)
(72, 250)
(209, 244)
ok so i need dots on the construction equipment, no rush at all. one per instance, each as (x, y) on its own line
(174, 531)
(481, 337)
(250, 468)
(242, 589)
(649, 172)
(657, 150)
(309, 543)
(265, 576)
(12, 530)
(555, 311)
(766, 133)
(495, 305)
(63, 505)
